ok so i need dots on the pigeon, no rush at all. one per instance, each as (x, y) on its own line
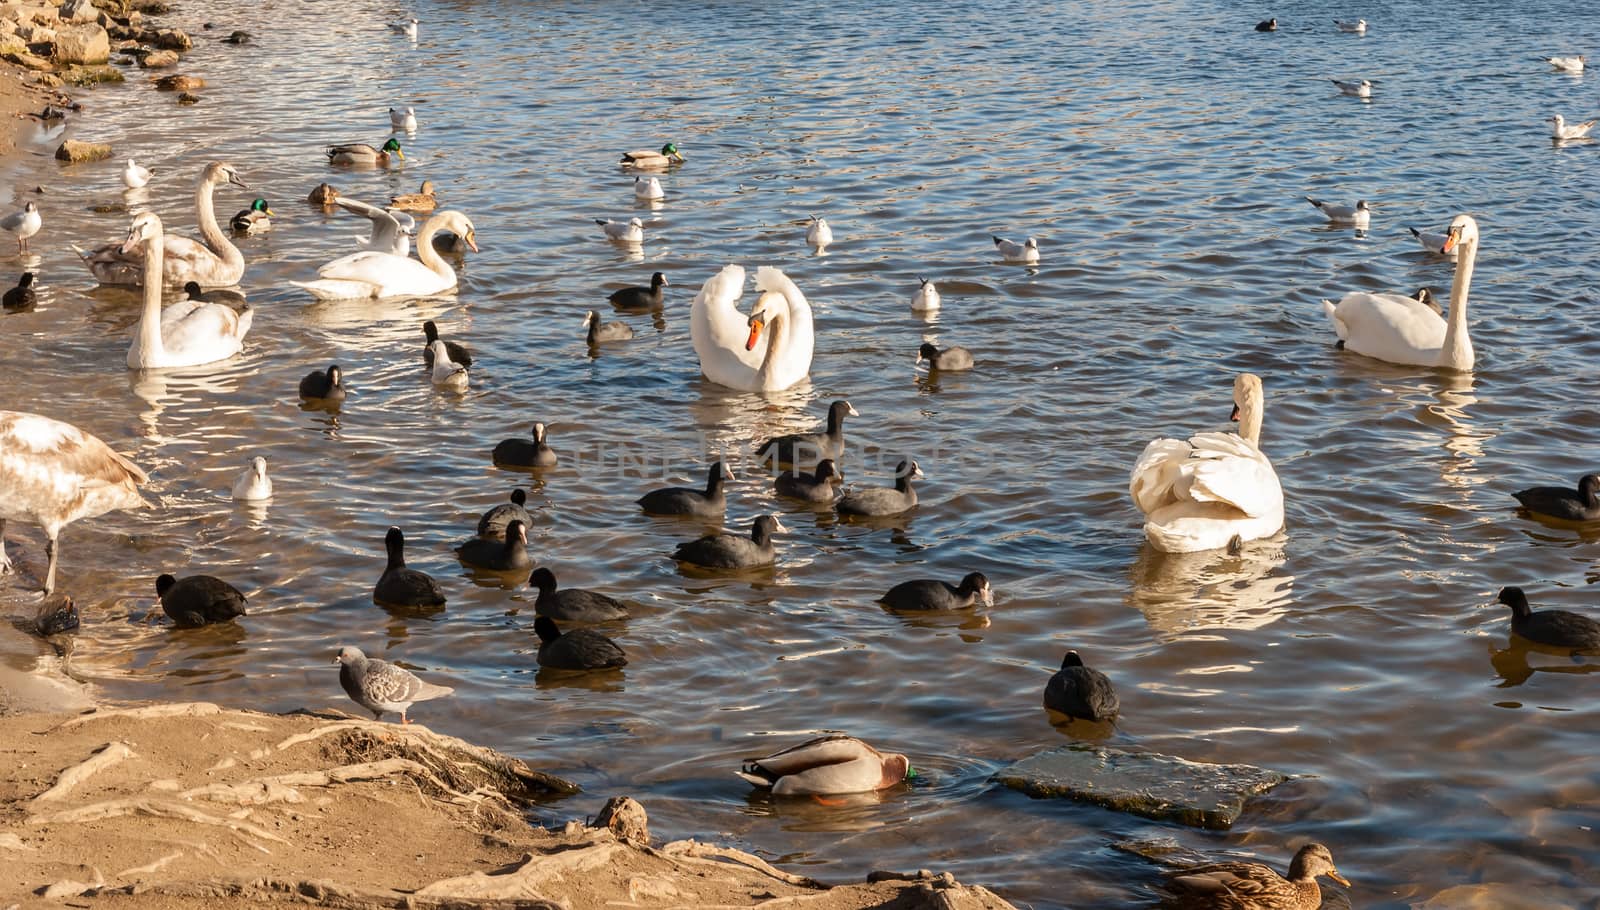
(380, 686)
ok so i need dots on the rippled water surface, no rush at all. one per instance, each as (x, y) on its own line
(1158, 151)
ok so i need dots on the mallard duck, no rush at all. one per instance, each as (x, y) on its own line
(1253, 886)
(1551, 628)
(324, 194)
(421, 201)
(827, 765)
(256, 219)
(644, 158)
(361, 153)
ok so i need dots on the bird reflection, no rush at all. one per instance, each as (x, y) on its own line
(1520, 659)
(823, 814)
(1464, 444)
(1215, 589)
(159, 389)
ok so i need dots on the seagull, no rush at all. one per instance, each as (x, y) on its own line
(1358, 27)
(253, 484)
(630, 231)
(380, 686)
(134, 176)
(819, 234)
(1360, 216)
(446, 372)
(927, 297)
(1567, 64)
(391, 230)
(1362, 89)
(24, 224)
(1561, 130)
(1012, 251)
(403, 120)
(648, 189)
(1433, 243)
(407, 27)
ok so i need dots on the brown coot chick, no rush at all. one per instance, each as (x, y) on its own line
(1582, 504)
(499, 555)
(199, 599)
(1079, 691)
(323, 385)
(22, 296)
(882, 501)
(806, 448)
(580, 649)
(707, 503)
(1552, 628)
(928, 594)
(458, 353)
(950, 359)
(573, 604)
(819, 487)
(399, 586)
(640, 300)
(526, 453)
(732, 551)
(492, 525)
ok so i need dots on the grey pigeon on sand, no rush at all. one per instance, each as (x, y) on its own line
(380, 686)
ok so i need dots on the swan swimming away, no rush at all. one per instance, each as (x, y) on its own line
(1567, 64)
(403, 120)
(819, 234)
(253, 484)
(926, 299)
(375, 275)
(1026, 252)
(630, 231)
(215, 264)
(52, 474)
(648, 189)
(1434, 243)
(1358, 27)
(1560, 129)
(1215, 488)
(1359, 215)
(729, 344)
(1362, 89)
(1399, 329)
(188, 333)
(134, 176)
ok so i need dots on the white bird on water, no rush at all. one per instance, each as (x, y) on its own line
(24, 224)
(819, 234)
(630, 231)
(407, 27)
(253, 484)
(446, 372)
(648, 189)
(52, 474)
(1560, 129)
(1567, 64)
(403, 120)
(927, 297)
(1434, 243)
(1011, 251)
(134, 176)
(1358, 27)
(1359, 215)
(1362, 89)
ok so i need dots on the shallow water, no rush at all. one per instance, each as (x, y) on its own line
(1158, 152)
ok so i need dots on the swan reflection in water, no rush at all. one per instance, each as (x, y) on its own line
(1464, 444)
(1214, 589)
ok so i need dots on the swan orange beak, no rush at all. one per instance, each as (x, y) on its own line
(472, 240)
(1450, 241)
(1235, 414)
(755, 333)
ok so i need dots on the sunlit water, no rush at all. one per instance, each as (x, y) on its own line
(1158, 151)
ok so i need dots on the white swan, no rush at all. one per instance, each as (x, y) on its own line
(188, 333)
(215, 264)
(375, 275)
(1400, 329)
(1217, 487)
(728, 343)
(52, 474)
(1561, 129)
(134, 176)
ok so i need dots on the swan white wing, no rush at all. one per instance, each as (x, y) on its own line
(1156, 474)
(719, 331)
(1389, 327)
(207, 332)
(1225, 468)
(390, 275)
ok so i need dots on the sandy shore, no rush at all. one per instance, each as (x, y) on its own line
(191, 805)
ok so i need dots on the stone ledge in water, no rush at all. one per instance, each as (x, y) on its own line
(1142, 783)
(76, 152)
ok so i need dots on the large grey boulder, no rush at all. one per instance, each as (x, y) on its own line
(87, 43)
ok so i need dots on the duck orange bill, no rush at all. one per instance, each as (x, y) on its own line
(1449, 242)
(1338, 878)
(755, 332)
(1235, 414)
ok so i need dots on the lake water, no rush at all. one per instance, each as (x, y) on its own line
(1159, 152)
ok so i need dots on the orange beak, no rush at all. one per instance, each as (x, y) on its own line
(755, 332)
(1235, 414)
(1450, 242)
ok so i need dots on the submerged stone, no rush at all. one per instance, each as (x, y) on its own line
(1142, 783)
(76, 152)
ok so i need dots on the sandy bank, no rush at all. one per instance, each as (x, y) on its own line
(184, 805)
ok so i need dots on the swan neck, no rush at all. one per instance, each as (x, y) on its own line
(775, 340)
(430, 257)
(1250, 418)
(148, 342)
(209, 229)
(1457, 349)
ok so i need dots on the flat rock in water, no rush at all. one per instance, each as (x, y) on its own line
(75, 151)
(1142, 783)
